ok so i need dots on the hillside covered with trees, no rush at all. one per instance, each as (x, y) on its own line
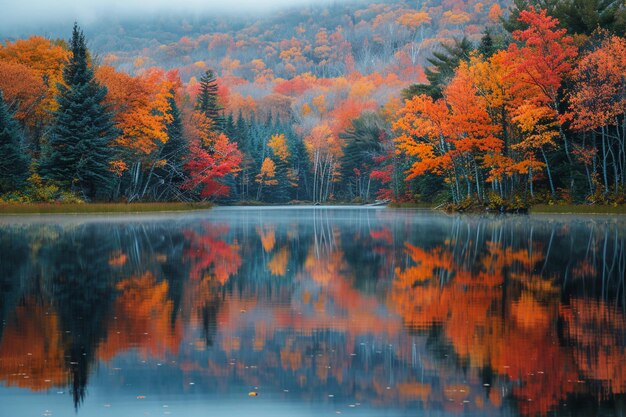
(440, 101)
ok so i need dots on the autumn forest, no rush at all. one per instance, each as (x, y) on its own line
(309, 208)
(458, 102)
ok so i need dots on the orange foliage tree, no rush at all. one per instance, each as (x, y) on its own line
(540, 64)
(324, 151)
(207, 167)
(266, 176)
(30, 71)
(453, 137)
(598, 103)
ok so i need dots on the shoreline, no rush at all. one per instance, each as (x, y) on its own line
(138, 208)
(536, 209)
(99, 208)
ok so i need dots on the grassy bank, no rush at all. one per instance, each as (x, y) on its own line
(412, 205)
(577, 209)
(100, 208)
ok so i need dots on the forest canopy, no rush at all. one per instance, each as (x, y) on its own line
(443, 101)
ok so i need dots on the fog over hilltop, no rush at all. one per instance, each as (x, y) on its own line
(41, 16)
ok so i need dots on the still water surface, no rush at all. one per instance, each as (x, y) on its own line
(363, 312)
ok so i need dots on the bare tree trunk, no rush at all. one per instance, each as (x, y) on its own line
(476, 178)
(545, 158)
(604, 155)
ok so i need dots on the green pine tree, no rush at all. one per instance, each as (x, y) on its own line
(362, 141)
(13, 159)
(280, 192)
(207, 100)
(586, 16)
(443, 64)
(79, 150)
(487, 46)
(577, 16)
(230, 130)
(175, 152)
(300, 165)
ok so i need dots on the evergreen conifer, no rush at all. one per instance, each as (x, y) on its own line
(79, 150)
(13, 160)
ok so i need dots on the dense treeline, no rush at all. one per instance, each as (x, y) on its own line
(533, 111)
(91, 133)
(534, 115)
(74, 130)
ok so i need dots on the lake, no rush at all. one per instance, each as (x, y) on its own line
(319, 311)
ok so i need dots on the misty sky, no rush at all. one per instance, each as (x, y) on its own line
(32, 12)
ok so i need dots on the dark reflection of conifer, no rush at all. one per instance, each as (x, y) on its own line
(14, 254)
(83, 293)
(209, 319)
(173, 269)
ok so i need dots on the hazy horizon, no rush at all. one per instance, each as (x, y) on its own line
(40, 15)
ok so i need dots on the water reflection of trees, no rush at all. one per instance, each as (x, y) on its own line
(449, 313)
(541, 304)
(78, 277)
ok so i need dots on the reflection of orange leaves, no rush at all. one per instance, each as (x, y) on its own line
(231, 343)
(117, 258)
(414, 390)
(439, 288)
(545, 371)
(495, 397)
(143, 312)
(268, 238)
(427, 264)
(595, 327)
(501, 257)
(261, 334)
(528, 313)
(321, 371)
(278, 264)
(211, 256)
(31, 351)
(324, 269)
(383, 234)
(456, 392)
(291, 356)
